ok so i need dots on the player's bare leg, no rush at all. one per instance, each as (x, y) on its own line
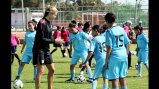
(115, 83)
(123, 83)
(105, 83)
(40, 71)
(51, 70)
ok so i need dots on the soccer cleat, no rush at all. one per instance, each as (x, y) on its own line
(70, 80)
(90, 80)
(17, 77)
(139, 75)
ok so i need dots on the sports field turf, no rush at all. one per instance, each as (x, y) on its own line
(62, 74)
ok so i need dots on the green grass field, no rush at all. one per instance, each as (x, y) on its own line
(62, 73)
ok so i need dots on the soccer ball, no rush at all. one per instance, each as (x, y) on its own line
(80, 79)
(65, 54)
(18, 84)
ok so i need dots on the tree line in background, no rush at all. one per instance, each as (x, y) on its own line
(124, 11)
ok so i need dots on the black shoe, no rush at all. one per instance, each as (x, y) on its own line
(17, 77)
(90, 80)
(70, 80)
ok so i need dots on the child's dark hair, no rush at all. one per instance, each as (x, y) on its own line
(86, 25)
(74, 22)
(138, 27)
(96, 28)
(110, 17)
(72, 25)
(79, 24)
(58, 27)
(34, 21)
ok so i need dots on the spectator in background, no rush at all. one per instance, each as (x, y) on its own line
(14, 42)
(130, 36)
(126, 29)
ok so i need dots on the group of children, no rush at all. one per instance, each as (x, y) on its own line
(107, 43)
(110, 50)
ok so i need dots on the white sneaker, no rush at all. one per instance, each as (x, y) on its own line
(139, 75)
(81, 73)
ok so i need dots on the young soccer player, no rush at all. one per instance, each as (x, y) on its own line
(87, 28)
(143, 49)
(78, 41)
(98, 48)
(28, 55)
(80, 26)
(116, 56)
(65, 36)
(57, 35)
(14, 42)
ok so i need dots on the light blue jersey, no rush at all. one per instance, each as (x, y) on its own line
(29, 41)
(103, 34)
(98, 48)
(79, 41)
(142, 42)
(117, 38)
(118, 59)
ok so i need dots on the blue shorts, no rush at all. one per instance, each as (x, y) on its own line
(27, 58)
(67, 43)
(143, 56)
(13, 49)
(100, 68)
(77, 55)
(117, 69)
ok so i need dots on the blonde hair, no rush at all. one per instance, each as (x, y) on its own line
(50, 8)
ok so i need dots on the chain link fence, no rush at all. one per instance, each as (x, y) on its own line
(94, 14)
